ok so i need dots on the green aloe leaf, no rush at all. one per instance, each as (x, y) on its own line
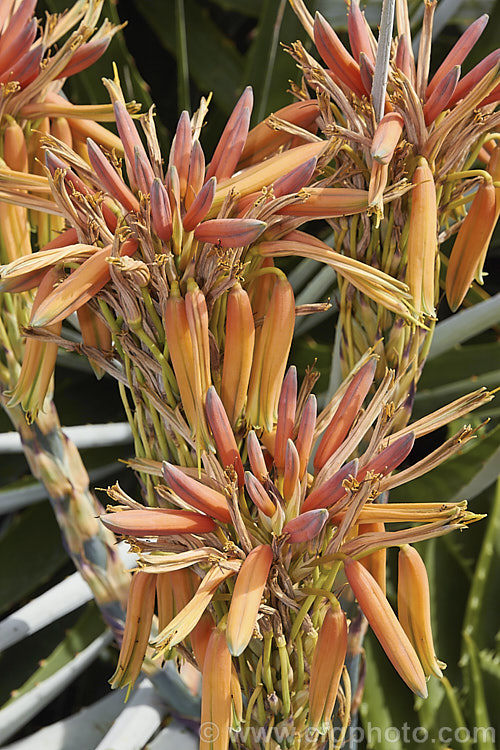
(215, 63)
(481, 719)
(267, 66)
(485, 581)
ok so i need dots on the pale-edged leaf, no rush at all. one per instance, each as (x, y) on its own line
(464, 325)
(62, 598)
(81, 646)
(137, 722)
(82, 731)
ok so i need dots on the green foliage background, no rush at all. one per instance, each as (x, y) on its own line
(171, 53)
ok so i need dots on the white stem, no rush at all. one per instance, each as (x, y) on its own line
(379, 85)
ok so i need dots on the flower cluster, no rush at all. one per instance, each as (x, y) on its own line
(264, 525)
(248, 566)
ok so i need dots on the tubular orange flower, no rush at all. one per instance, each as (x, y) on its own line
(95, 334)
(216, 694)
(291, 472)
(345, 414)
(39, 358)
(414, 608)
(184, 622)
(331, 491)
(442, 94)
(196, 494)
(386, 626)
(470, 245)
(229, 232)
(305, 434)
(307, 526)
(360, 35)
(79, 287)
(256, 456)
(246, 598)
(238, 352)
(259, 496)
(326, 669)
(271, 352)
(335, 55)
(223, 434)
(286, 417)
(421, 248)
(140, 609)
(458, 52)
(158, 522)
(386, 137)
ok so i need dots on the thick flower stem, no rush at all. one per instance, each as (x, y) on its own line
(54, 460)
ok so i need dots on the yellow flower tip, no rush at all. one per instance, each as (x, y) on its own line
(216, 694)
(196, 494)
(229, 232)
(471, 244)
(386, 626)
(326, 669)
(223, 434)
(307, 526)
(414, 608)
(246, 598)
(386, 137)
(157, 522)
